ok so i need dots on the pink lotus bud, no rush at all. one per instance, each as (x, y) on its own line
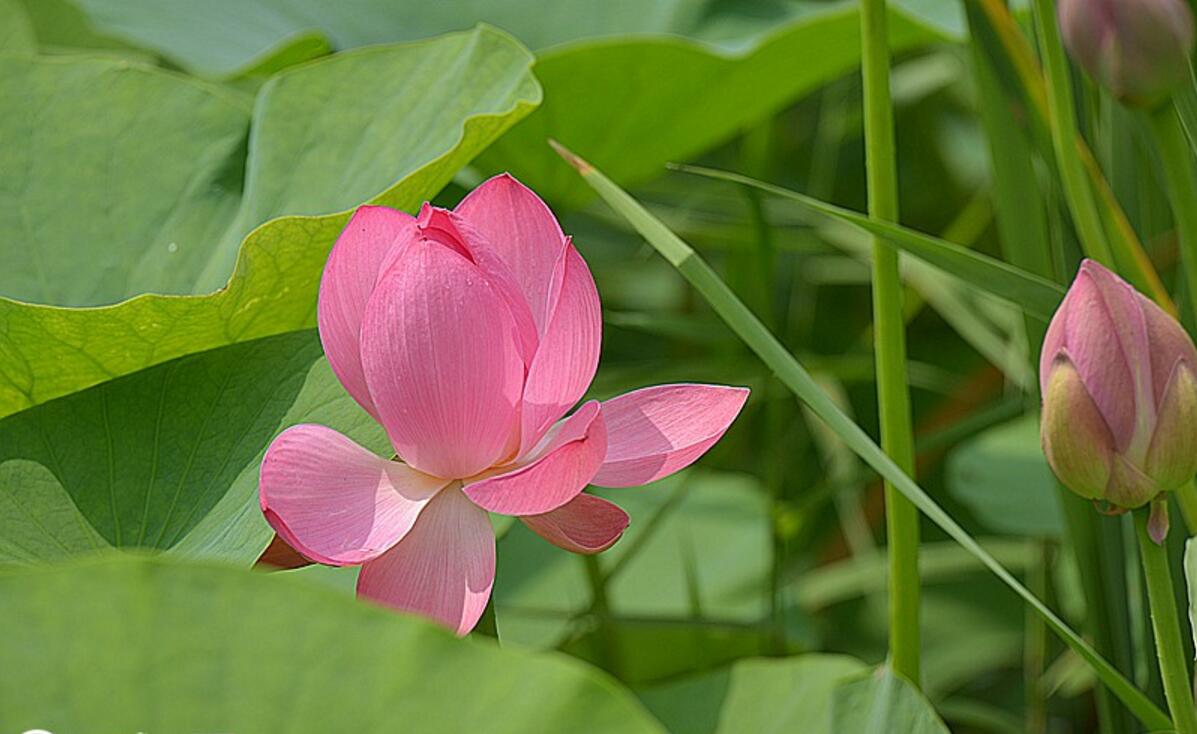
(1119, 393)
(1138, 49)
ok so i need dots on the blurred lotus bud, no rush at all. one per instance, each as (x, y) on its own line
(1119, 393)
(1137, 49)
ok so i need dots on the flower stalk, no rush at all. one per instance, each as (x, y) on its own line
(1165, 624)
(902, 520)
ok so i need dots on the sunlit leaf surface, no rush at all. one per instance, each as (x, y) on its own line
(444, 101)
(158, 645)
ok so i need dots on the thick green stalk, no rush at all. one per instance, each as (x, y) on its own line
(1186, 497)
(902, 518)
(1177, 159)
(1062, 121)
(606, 646)
(1169, 646)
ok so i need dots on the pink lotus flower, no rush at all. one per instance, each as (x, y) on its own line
(1119, 394)
(468, 334)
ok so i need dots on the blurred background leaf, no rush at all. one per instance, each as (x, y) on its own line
(758, 695)
(884, 702)
(1003, 478)
(158, 645)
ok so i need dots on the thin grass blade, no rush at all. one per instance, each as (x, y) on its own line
(799, 381)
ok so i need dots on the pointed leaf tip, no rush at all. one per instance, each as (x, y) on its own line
(571, 158)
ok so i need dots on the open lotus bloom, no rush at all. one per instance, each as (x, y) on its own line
(468, 335)
(1119, 395)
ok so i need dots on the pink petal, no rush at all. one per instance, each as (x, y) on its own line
(1170, 343)
(451, 230)
(561, 469)
(1053, 342)
(440, 357)
(443, 569)
(586, 524)
(1093, 337)
(1125, 306)
(334, 501)
(349, 277)
(568, 355)
(1172, 455)
(655, 431)
(1076, 440)
(524, 233)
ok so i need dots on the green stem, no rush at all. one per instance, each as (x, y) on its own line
(1177, 160)
(1186, 497)
(756, 284)
(487, 625)
(902, 518)
(774, 425)
(1062, 121)
(1165, 623)
(607, 652)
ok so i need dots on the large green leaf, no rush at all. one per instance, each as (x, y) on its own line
(757, 695)
(16, 30)
(121, 178)
(165, 458)
(884, 702)
(413, 113)
(682, 74)
(199, 36)
(799, 381)
(133, 644)
(675, 97)
(332, 134)
(61, 27)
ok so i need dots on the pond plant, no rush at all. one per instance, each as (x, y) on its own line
(885, 421)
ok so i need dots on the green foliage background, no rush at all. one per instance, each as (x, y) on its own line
(172, 176)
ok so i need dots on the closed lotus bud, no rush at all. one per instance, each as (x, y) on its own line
(1119, 393)
(1137, 49)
